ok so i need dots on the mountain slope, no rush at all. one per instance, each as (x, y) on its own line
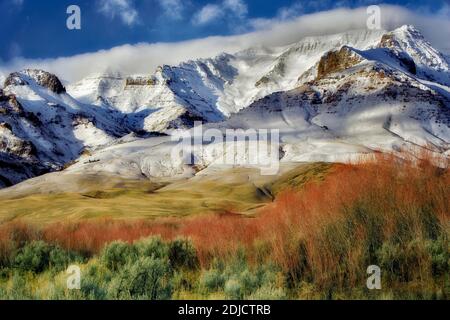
(348, 103)
(210, 89)
(43, 128)
(333, 98)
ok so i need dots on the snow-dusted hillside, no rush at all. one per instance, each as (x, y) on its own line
(211, 89)
(43, 128)
(333, 98)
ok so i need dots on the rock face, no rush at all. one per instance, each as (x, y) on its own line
(388, 41)
(41, 78)
(10, 144)
(140, 81)
(18, 156)
(9, 104)
(335, 61)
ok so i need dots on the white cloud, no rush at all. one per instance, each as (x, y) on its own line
(238, 7)
(286, 13)
(228, 8)
(207, 14)
(172, 8)
(144, 58)
(124, 9)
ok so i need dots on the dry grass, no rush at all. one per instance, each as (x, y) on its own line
(136, 199)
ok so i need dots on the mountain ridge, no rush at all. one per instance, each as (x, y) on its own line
(356, 92)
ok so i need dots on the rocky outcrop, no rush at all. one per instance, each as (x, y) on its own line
(15, 79)
(264, 80)
(42, 78)
(140, 81)
(5, 126)
(12, 145)
(336, 61)
(388, 41)
(186, 120)
(10, 105)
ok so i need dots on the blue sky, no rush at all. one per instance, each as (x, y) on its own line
(37, 29)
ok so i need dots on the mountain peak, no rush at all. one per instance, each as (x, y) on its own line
(408, 32)
(408, 42)
(408, 28)
(37, 77)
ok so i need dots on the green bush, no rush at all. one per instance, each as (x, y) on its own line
(268, 292)
(249, 281)
(94, 282)
(152, 247)
(233, 289)
(182, 254)
(117, 254)
(185, 280)
(38, 256)
(212, 280)
(146, 278)
(417, 260)
(237, 279)
(60, 259)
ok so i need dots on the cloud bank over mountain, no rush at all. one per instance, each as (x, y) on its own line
(146, 57)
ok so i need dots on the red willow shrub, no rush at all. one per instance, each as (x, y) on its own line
(90, 236)
(338, 220)
(14, 235)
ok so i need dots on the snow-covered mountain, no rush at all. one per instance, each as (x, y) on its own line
(43, 128)
(211, 89)
(332, 97)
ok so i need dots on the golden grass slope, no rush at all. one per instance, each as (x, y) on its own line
(239, 190)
